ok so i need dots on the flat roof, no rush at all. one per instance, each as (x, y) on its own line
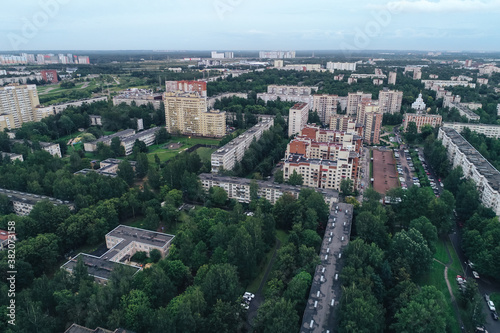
(484, 167)
(42, 144)
(30, 198)
(97, 266)
(139, 135)
(120, 134)
(131, 234)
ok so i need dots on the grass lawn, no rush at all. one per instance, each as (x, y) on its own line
(191, 141)
(495, 298)
(456, 266)
(254, 285)
(163, 154)
(205, 153)
(441, 253)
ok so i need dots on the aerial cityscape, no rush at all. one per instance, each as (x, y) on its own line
(234, 166)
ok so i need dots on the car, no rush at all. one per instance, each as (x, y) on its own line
(494, 315)
(481, 330)
(476, 275)
(245, 306)
(427, 173)
(486, 297)
(250, 295)
(491, 305)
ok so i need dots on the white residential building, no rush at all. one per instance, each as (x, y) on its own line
(341, 66)
(23, 202)
(325, 106)
(491, 131)
(354, 100)
(474, 166)
(227, 156)
(147, 136)
(297, 118)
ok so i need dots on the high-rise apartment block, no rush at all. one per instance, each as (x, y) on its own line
(18, 105)
(186, 113)
(370, 117)
(325, 106)
(392, 78)
(340, 122)
(354, 100)
(187, 86)
(297, 118)
(390, 101)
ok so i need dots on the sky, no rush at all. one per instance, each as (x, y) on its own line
(444, 25)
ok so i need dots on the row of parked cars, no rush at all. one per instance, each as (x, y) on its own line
(247, 298)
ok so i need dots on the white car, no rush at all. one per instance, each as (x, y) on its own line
(248, 296)
(476, 275)
(245, 306)
(491, 306)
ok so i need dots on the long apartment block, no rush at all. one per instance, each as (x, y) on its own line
(491, 131)
(227, 156)
(239, 188)
(474, 165)
(23, 202)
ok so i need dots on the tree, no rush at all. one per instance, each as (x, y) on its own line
(155, 255)
(278, 176)
(116, 147)
(409, 249)
(424, 313)
(162, 136)
(428, 231)
(220, 282)
(218, 196)
(372, 229)
(142, 165)
(126, 172)
(276, 316)
(137, 312)
(75, 162)
(411, 132)
(5, 205)
(295, 178)
(152, 219)
(346, 185)
(154, 178)
(298, 290)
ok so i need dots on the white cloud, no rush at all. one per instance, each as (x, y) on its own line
(448, 6)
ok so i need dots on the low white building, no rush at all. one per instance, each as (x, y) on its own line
(147, 136)
(23, 202)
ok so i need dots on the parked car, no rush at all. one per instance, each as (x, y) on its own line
(476, 275)
(491, 305)
(486, 297)
(250, 295)
(494, 315)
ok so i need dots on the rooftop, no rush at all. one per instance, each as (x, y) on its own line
(4, 235)
(141, 134)
(42, 144)
(120, 134)
(30, 198)
(484, 167)
(299, 106)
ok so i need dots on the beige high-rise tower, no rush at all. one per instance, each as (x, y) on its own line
(18, 104)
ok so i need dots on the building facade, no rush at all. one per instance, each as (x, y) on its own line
(325, 106)
(474, 166)
(392, 78)
(18, 103)
(354, 101)
(92, 146)
(341, 66)
(422, 119)
(390, 101)
(239, 189)
(23, 203)
(232, 152)
(297, 118)
(147, 136)
(491, 131)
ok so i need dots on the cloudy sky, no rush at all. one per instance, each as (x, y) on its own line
(250, 25)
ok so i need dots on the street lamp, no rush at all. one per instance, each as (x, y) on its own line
(466, 268)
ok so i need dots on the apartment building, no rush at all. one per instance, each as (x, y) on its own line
(354, 132)
(49, 75)
(187, 86)
(239, 189)
(122, 243)
(341, 122)
(372, 127)
(139, 97)
(52, 148)
(392, 78)
(213, 123)
(491, 131)
(18, 103)
(58, 108)
(447, 83)
(474, 166)
(227, 156)
(482, 80)
(92, 146)
(147, 136)
(422, 119)
(326, 106)
(276, 54)
(465, 111)
(341, 66)
(12, 157)
(390, 101)
(289, 93)
(23, 202)
(297, 118)
(449, 99)
(324, 174)
(354, 100)
(303, 67)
